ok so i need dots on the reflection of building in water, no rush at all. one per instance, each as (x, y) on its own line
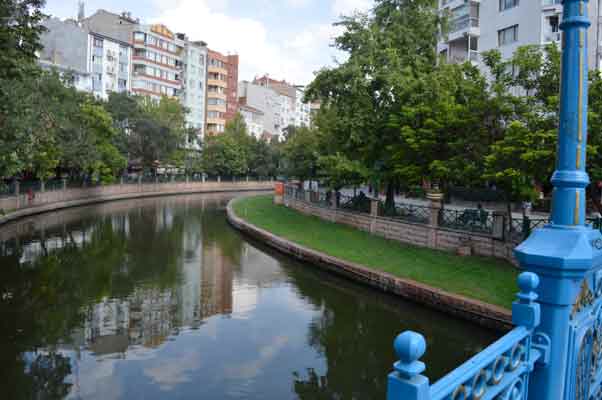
(146, 318)
(189, 292)
(216, 289)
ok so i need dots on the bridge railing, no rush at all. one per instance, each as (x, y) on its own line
(500, 372)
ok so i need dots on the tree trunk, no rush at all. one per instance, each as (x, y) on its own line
(390, 199)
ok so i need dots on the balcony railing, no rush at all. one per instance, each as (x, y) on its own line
(463, 22)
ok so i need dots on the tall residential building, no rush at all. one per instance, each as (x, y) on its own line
(476, 26)
(254, 119)
(281, 104)
(194, 83)
(164, 63)
(157, 61)
(222, 90)
(100, 64)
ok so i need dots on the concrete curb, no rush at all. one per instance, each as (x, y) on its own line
(59, 205)
(482, 313)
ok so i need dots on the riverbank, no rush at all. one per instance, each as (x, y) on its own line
(478, 288)
(49, 201)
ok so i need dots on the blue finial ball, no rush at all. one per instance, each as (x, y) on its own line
(410, 346)
(528, 282)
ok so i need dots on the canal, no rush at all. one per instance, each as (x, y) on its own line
(162, 299)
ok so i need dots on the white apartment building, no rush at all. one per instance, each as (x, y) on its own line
(99, 64)
(121, 54)
(194, 83)
(254, 119)
(302, 110)
(476, 26)
(110, 65)
(281, 104)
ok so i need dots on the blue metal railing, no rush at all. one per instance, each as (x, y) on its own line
(499, 372)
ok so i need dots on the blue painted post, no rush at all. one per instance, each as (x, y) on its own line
(561, 253)
(406, 382)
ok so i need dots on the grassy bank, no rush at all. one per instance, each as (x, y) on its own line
(487, 279)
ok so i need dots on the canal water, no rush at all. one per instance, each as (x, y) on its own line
(162, 299)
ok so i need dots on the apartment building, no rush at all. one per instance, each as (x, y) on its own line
(194, 83)
(99, 64)
(302, 109)
(222, 90)
(280, 102)
(157, 61)
(476, 26)
(254, 119)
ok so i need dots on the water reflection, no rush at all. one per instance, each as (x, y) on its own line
(160, 298)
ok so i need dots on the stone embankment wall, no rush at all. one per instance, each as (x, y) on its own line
(20, 206)
(424, 235)
(473, 310)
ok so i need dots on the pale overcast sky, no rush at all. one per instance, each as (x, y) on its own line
(288, 39)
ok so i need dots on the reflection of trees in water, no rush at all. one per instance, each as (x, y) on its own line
(356, 340)
(134, 255)
(41, 376)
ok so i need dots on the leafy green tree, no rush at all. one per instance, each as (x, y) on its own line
(338, 171)
(301, 153)
(526, 123)
(224, 156)
(20, 30)
(386, 50)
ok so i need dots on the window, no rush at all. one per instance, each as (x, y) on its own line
(507, 4)
(97, 42)
(508, 35)
(139, 36)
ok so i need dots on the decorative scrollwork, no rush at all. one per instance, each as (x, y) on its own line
(516, 391)
(584, 300)
(584, 366)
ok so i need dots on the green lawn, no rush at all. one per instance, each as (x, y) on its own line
(487, 279)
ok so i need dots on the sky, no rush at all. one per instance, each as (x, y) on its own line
(287, 39)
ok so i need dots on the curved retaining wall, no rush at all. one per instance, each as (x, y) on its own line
(60, 199)
(473, 310)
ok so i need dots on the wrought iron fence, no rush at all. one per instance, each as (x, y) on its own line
(407, 212)
(359, 203)
(472, 220)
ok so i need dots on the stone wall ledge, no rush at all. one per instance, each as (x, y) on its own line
(69, 198)
(476, 311)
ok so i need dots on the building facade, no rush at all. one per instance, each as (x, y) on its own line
(157, 61)
(476, 26)
(99, 64)
(282, 104)
(194, 83)
(253, 119)
(222, 91)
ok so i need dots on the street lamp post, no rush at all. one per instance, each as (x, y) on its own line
(566, 253)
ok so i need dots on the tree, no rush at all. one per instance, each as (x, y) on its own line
(20, 30)
(149, 131)
(300, 154)
(338, 171)
(523, 153)
(386, 50)
(223, 156)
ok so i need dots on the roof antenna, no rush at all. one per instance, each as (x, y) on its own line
(81, 10)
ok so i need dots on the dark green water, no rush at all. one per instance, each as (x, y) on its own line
(161, 299)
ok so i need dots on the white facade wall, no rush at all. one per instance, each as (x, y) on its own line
(479, 23)
(109, 64)
(253, 120)
(302, 110)
(195, 86)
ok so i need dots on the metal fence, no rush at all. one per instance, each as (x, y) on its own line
(469, 220)
(407, 212)
(472, 220)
